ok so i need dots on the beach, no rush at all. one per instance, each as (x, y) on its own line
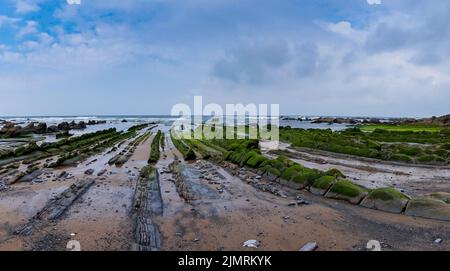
(201, 204)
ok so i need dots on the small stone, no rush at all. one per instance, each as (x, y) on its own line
(89, 171)
(302, 202)
(311, 246)
(252, 243)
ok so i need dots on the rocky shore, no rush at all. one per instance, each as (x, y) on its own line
(11, 129)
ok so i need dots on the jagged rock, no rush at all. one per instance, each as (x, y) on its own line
(65, 126)
(11, 129)
(55, 207)
(41, 128)
(94, 122)
(31, 176)
(77, 126)
(53, 129)
(147, 234)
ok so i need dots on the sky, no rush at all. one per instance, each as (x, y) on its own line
(312, 57)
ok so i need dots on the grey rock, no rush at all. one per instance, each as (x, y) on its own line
(89, 171)
(311, 246)
(252, 243)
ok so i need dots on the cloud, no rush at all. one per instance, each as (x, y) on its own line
(261, 61)
(374, 2)
(386, 61)
(7, 21)
(30, 28)
(345, 29)
(26, 6)
(252, 62)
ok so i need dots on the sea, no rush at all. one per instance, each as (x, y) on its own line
(124, 122)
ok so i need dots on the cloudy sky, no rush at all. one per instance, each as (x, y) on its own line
(327, 57)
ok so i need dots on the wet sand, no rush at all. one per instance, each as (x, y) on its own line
(241, 212)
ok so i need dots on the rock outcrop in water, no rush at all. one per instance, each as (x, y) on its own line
(335, 120)
(11, 129)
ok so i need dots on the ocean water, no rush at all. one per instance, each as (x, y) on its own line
(164, 122)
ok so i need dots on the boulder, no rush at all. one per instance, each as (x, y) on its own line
(53, 129)
(428, 208)
(65, 126)
(348, 191)
(82, 125)
(41, 128)
(77, 126)
(29, 128)
(11, 131)
(8, 125)
(95, 122)
(386, 199)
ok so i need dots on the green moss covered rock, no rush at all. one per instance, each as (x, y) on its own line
(301, 180)
(321, 185)
(256, 160)
(428, 208)
(289, 173)
(445, 197)
(348, 191)
(273, 174)
(335, 172)
(426, 158)
(386, 199)
(401, 158)
(246, 157)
